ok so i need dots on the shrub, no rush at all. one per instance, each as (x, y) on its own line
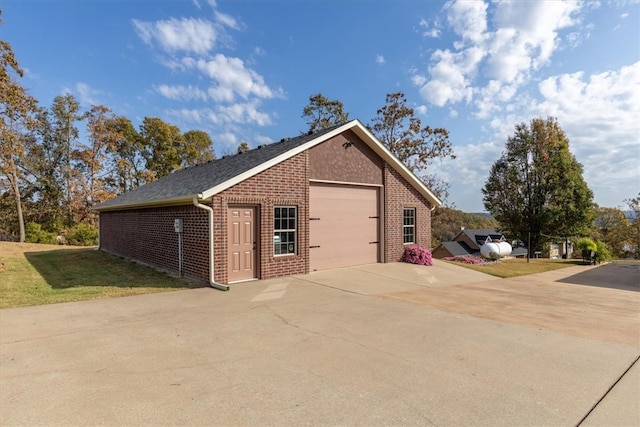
(417, 255)
(33, 233)
(586, 244)
(82, 235)
(467, 259)
(602, 252)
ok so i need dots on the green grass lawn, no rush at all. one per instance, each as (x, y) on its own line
(513, 267)
(33, 274)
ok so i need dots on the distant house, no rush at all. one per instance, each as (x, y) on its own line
(560, 250)
(329, 199)
(469, 242)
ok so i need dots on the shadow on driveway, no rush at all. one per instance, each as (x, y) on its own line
(623, 276)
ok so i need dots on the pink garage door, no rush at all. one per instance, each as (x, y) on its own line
(343, 225)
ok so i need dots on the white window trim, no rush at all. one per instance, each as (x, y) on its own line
(286, 230)
(413, 227)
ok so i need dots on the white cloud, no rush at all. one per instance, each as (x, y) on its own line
(227, 21)
(186, 114)
(430, 30)
(230, 74)
(380, 59)
(189, 49)
(233, 114)
(181, 93)
(244, 113)
(173, 35)
(599, 114)
(87, 96)
(421, 110)
(449, 81)
(229, 139)
(468, 19)
(496, 52)
(527, 35)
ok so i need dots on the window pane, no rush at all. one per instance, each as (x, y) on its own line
(284, 230)
(409, 225)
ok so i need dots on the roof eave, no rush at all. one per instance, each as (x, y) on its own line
(150, 204)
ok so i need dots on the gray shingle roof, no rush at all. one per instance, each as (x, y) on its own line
(479, 235)
(459, 248)
(185, 183)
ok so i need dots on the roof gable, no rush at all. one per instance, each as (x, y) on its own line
(208, 179)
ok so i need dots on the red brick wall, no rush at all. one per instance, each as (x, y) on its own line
(399, 194)
(148, 236)
(285, 184)
(345, 158)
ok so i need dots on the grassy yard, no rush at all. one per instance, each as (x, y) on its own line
(520, 267)
(34, 274)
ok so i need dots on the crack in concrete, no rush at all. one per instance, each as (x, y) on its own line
(595, 405)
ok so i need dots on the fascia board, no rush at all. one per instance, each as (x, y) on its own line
(150, 204)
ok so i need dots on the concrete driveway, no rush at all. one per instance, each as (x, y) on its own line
(386, 344)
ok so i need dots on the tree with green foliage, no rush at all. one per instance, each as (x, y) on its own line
(243, 148)
(634, 207)
(612, 227)
(416, 146)
(92, 162)
(66, 113)
(16, 110)
(45, 165)
(162, 144)
(126, 162)
(322, 113)
(197, 148)
(536, 187)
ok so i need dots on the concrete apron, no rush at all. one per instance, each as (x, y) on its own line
(327, 348)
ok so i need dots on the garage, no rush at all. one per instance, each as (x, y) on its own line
(343, 225)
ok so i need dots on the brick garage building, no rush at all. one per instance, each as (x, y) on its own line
(330, 199)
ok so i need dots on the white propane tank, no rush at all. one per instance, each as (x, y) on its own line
(495, 250)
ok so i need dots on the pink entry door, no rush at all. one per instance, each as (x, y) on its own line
(242, 243)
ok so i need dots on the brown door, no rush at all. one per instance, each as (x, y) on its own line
(343, 226)
(242, 243)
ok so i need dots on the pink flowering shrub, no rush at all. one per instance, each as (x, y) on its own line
(417, 255)
(467, 259)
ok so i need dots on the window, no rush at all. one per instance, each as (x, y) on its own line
(284, 230)
(409, 225)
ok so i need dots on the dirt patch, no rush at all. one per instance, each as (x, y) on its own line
(599, 313)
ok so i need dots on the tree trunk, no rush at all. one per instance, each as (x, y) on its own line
(16, 192)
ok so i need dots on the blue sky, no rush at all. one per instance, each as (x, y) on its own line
(243, 70)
